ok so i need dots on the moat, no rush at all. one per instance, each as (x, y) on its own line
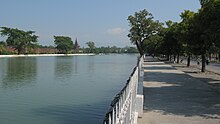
(61, 90)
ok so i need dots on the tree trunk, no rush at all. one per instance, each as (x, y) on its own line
(188, 60)
(139, 48)
(178, 58)
(218, 56)
(210, 56)
(174, 58)
(168, 56)
(19, 51)
(25, 50)
(203, 63)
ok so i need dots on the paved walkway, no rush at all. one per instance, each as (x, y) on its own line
(213, 67)
(173, 97)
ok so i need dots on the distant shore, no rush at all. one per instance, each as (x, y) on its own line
(35, 55)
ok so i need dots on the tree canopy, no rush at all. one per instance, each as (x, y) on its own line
(91, 46)
(18, 39)
(143, 27)
(63, 43)
(204, 29)
(198, 33)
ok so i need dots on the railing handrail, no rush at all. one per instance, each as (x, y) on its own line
(125, 95)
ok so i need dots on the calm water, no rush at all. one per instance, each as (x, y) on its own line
(60, 90)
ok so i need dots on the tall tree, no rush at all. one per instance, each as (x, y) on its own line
(142, 28)
(205, 29)
(210, 14)
(171, 42)
(186, 17)
(91, 46)
(152, 45)
(204, 2)
(63, 43)
(18, 39)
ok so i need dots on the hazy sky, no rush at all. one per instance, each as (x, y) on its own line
(102, 21)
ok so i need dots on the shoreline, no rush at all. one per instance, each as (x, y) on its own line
(39, 55)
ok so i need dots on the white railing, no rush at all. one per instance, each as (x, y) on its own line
(128, 103)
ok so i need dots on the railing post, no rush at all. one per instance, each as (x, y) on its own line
(116, 113)
(113, 116)
(110, 119)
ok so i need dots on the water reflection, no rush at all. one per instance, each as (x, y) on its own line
(19, 72)
(91, 64)
(63, 67)
(63, 90)
(75, 60)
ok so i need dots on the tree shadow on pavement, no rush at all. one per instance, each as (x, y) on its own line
(159, 68)
(187, 95)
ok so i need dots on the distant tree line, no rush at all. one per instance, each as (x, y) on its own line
(198, 33)
(108, 49)
(26, 42)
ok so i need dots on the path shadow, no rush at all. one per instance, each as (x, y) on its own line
(159, 68)
(192, 72)
(215, 64)
(150, 59)
(188, 96)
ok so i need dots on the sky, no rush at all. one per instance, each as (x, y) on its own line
(101, 21)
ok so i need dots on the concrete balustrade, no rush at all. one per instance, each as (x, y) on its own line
(128, 103)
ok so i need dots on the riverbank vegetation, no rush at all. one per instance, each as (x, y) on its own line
(25, 42)
(197, 34)
(19, 40)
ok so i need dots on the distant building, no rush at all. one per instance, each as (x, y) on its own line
(76, 47)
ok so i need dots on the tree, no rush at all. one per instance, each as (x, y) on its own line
(142, 28)
(152, 44)
(205, 29)
(18, 39)
(186, 17)
(203, 2)
(172, 44)
(2, 47)
(63, 44)
(91, 46)
(211, 18)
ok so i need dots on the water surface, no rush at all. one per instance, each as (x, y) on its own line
(60, 90)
